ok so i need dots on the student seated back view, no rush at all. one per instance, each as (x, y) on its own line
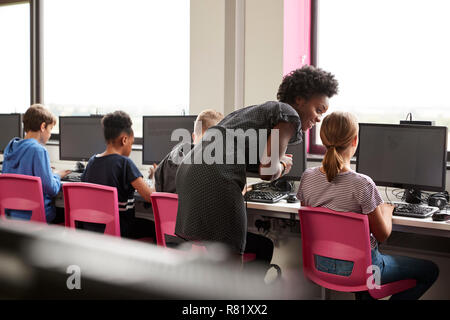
(336, 186)
(28, 156)
(166, 171)
(114, 168)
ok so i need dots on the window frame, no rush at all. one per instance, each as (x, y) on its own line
(315, 148)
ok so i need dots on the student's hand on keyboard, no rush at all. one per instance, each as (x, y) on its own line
(63, 173)
(388, 206)
(387, 209)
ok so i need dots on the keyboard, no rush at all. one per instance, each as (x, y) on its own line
(72, 177)
(265, 196)
(413, 210)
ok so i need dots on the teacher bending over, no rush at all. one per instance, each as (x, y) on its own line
(211, 178)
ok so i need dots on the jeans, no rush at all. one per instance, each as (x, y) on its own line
(393, 268)
(334, 266)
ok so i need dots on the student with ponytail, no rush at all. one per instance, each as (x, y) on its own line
(336, 186)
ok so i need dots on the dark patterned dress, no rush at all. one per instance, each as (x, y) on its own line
(210, 202)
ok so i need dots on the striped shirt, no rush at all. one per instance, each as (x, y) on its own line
(348, 192)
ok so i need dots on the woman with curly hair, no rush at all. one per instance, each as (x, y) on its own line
(211, 205)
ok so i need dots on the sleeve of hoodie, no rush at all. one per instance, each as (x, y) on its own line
(51, 182)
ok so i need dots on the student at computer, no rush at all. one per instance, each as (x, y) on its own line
(28, 156)
(114, 168)
(336, 186)
(166, 170)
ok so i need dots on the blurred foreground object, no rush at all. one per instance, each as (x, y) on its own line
(51, 262)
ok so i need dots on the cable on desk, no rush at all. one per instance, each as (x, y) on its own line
(387, 197)
(398, 193)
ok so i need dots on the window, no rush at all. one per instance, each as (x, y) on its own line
(105, 55)
(390, 58)
(14, 57)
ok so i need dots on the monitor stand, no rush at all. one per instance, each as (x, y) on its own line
(412, 196)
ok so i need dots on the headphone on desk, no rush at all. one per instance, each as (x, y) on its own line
(439, 200)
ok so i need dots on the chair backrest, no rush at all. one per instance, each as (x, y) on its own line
(24, 193)
(94, 203)
(337, 235)
(165, 206)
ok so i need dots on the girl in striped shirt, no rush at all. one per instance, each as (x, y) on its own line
(336, 186)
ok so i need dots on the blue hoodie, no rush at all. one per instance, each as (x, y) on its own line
(28, 156)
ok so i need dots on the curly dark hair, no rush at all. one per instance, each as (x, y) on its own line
(306, 82)
(115, 123)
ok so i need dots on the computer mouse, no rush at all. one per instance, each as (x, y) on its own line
(291, 198)
(440, 217)
(437, 201)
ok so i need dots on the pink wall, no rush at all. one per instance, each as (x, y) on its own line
(297, 37)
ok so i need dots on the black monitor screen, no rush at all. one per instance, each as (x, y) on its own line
(10, 127)
(403, 156)
(298, 152)
(157, 142)
(80, 138)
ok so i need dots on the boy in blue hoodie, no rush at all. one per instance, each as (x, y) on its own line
(28, 156)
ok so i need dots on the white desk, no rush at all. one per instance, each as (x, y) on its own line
(285, 210)
(282, 209)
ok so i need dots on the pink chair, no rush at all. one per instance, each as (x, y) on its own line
(344, 236)
(88, 202)
(22, 192)
(165, 206)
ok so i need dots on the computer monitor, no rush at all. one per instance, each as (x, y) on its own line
(403, 156)
(11, 127)
(80, 138)
(298, 152)
(156, 138)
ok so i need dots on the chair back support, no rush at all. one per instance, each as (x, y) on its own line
(337, 235)
(22, 192)
(165, 206)
(93, 203)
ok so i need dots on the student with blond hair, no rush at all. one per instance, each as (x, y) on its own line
(29, 156)
(165, 172)
(336, 186)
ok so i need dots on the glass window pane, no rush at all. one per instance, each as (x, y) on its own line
(105, 55)
(390, 57)
(14, 58)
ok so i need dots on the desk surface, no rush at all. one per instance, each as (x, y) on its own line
(291, 210)
(283, 209)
